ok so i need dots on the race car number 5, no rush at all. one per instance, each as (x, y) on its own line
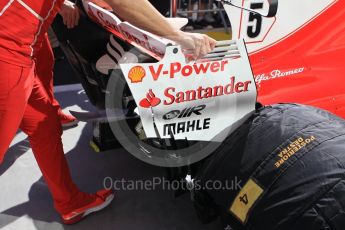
(254, 29)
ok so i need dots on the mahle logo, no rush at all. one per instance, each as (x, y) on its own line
(137, 74)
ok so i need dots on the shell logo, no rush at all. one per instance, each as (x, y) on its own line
(136, 74)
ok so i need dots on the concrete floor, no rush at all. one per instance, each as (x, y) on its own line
(25, 201)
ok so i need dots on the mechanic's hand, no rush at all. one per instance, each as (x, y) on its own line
(198, 45)
(70, 14)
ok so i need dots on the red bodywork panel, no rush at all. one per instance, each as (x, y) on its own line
(319, 47)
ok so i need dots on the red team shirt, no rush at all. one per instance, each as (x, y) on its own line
(23, 24)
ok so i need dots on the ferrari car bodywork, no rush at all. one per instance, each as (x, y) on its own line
(297, 55)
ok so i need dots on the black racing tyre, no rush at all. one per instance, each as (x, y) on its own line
(288, 160)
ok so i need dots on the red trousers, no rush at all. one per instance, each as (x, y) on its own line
(44, 70)
(25, 103)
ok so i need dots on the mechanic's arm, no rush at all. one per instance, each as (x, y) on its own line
(143, 15)
(70, 14)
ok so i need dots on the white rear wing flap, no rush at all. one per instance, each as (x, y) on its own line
(195, 100)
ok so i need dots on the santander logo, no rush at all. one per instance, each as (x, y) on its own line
(150, 101)
(172, 96)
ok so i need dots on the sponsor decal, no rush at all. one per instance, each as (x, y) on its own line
(278, 74)
(186, 126)
(185, 113)
(177, 69)
(201, 93)
(137, 74)
(150, 101)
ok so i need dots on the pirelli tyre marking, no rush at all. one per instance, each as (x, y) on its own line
(293, 148)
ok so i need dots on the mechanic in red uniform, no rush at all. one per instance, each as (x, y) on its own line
(24, 102)
(45, 61)
(44, 71)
